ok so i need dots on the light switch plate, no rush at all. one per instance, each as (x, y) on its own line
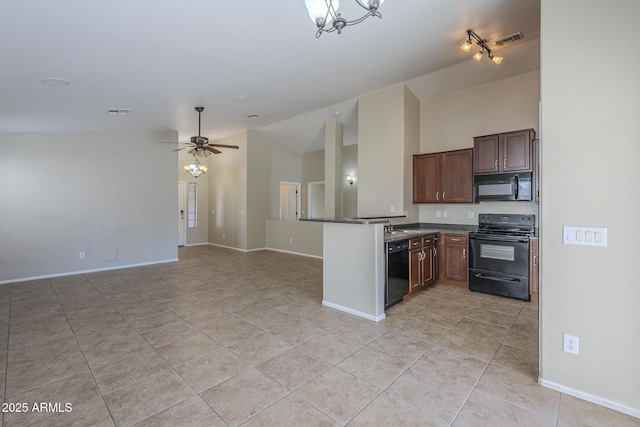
(584, 236)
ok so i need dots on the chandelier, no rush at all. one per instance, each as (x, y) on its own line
(195, 168)
(324, 13)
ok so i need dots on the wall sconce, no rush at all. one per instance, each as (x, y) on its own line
(466, 47)
(350, 179)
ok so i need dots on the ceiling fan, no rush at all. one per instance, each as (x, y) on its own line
(200, 145)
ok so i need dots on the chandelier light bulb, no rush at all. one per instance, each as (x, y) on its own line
(496, 59)
(478, 55)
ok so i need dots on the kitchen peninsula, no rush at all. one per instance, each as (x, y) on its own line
(354, 260)
(353, 269)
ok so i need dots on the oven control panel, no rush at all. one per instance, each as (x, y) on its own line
(507, 219)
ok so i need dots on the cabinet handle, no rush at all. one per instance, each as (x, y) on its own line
(455, 240)
(495, 164)
(504, 163)
(535, 260)
(437, 195)
(464, 252)
(444, 195)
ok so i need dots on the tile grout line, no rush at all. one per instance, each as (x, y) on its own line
(55, 291)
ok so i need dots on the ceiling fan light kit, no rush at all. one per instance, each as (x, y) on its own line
(199, 146)
(473, 37)
(324, 13)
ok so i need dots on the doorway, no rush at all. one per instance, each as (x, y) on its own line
(289, 200)
(316, 199)
(182, 217)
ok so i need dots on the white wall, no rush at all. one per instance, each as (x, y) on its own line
(111, 195)
(590, 151)
(228, 194)
(385, 142)
(451, 120)
(269, 164)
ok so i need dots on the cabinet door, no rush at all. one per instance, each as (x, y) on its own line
(428, 265)
(516, 151)
(415, 264)
(456, 267)
(426, 178)
(457, 176)
(486, 153)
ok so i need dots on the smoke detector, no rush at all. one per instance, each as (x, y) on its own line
(119, 111)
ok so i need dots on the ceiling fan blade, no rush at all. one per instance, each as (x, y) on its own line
(213, 150)
(223, 145)
(179, 149)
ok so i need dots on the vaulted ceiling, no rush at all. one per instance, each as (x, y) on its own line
(161, 58)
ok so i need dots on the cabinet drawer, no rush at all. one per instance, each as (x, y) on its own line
(415, 243)
(428, 240)
(456, 239)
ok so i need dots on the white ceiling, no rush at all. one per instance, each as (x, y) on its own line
(161, 58)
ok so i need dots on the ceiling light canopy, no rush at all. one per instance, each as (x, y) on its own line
(195, 168)
(466, 47)
(324, 13)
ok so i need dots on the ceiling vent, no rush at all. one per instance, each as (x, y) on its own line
(508, 40)
(119, 111)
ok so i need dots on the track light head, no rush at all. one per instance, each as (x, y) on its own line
(478, 55)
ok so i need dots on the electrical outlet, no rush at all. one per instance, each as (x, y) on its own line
(570, 343)
(290, 239)
(444, 214)
(223, 236)
(438, 214)
(470, 214)
(81, 255)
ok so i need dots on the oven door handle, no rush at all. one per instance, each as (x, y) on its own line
(494, 278)
(499, 239)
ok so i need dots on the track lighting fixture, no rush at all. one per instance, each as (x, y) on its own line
(466, 47)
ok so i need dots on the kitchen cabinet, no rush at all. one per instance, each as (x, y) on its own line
(504, 152)
(444, 177)
(534, 268)
(423, 263)
(454, 262)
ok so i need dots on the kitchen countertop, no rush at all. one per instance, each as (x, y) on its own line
(409, 231)
(357, 220)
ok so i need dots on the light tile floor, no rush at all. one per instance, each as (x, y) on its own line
(229, 338)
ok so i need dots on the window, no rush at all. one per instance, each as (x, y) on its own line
(192, 205)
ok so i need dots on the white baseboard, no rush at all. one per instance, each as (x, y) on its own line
(354, 312)
(294, 253)
(616, 406)
(95, 270)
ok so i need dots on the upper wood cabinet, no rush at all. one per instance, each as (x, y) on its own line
(504, 152)
(445, 177)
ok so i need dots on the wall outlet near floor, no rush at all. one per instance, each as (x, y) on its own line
(223, 236)
(470, 214)
(438, 214)
(570, 344)
(291, 240)
(81, 255)
(444, 214)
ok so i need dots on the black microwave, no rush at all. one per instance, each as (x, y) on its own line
(504, 186)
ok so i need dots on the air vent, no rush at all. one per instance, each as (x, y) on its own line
(119, 111)
(508, 40)
(253, 116)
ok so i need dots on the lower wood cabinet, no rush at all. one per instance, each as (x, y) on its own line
(454, 261)
(534, 268)
(423, 263)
